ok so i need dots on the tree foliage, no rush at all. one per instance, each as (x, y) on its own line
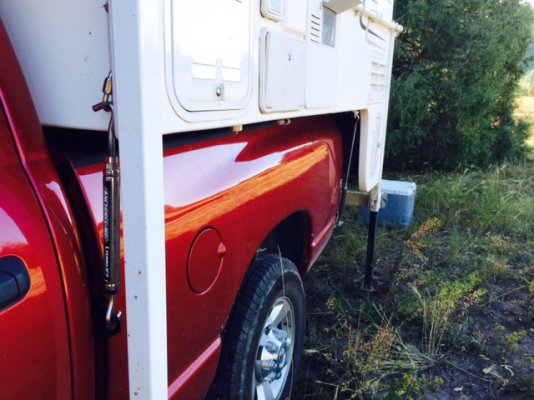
(455, 74)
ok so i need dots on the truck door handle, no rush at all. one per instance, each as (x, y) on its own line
(14, 281)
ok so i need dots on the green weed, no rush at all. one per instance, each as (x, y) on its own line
(454, 295)
(513, 340)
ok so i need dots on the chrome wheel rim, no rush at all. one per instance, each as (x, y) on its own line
(274, 353)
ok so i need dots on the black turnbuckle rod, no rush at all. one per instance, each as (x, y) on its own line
(111, 226)
(111, 212)
(112, 244)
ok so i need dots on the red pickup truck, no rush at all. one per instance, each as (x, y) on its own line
(243, 225)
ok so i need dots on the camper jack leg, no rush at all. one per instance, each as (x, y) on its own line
(369, 261)
(374, 206)
(373, 200)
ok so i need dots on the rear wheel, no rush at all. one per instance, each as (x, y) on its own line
(263, 340)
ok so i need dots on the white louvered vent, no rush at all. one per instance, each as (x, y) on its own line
(377, 88)
(316, 26)
(323, 27)
(329, 27)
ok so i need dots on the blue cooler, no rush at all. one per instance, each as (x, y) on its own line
(400, 201)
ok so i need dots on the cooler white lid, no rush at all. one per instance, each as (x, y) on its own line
(401, 188)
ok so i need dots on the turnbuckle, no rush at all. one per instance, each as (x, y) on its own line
(111, 212)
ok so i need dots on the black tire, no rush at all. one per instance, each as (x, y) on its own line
(272, 288)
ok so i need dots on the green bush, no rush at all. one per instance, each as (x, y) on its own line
(455, 75)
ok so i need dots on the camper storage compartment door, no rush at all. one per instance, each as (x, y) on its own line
(282, 72)
(211, 60)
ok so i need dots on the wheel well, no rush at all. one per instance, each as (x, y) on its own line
(289, 238)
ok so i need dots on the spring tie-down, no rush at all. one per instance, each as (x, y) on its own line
(111, 212)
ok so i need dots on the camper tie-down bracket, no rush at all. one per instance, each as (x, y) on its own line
(355, 198)
(111, 214)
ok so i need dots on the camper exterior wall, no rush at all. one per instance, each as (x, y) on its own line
(217, 63)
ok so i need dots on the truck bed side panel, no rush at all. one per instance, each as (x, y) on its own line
(240, 187)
